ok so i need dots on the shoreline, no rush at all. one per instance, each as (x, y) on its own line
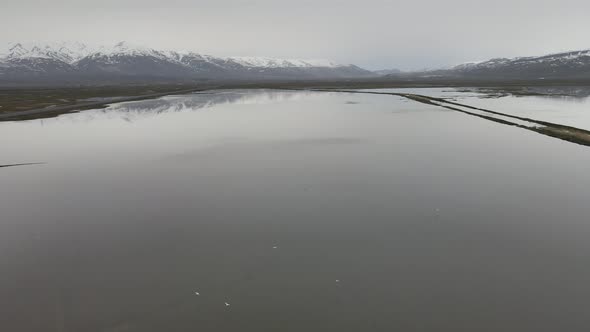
(58, 110)
(19, 103)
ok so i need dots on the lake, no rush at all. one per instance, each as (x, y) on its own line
(267, 210)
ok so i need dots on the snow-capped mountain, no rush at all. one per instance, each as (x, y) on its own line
(263, 62)
(66, 52)
(574, 57)
(73, 62)
(571, 64)
(565, 65)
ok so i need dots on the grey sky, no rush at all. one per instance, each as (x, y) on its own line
(375, 34)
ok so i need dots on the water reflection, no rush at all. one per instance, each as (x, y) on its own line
(137, 110)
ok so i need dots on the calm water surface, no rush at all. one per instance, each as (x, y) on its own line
(302, 211)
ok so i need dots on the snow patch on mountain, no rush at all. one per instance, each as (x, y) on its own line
(265, 62)
(127, 49)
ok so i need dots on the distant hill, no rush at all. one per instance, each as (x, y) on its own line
(566, 65)
(77, 62)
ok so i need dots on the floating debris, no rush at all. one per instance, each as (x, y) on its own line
(226, 304)
(197, 293)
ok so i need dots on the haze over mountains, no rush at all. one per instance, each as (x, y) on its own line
(77, 63)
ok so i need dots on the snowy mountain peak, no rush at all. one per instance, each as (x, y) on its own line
(62, 51)
(266, 62)
(124, 48)
(14, 51)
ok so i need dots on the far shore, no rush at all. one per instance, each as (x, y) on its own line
(21, 103)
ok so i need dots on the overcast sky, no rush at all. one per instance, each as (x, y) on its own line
(375, 34)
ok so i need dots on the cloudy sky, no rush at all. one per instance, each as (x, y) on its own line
(375, 34)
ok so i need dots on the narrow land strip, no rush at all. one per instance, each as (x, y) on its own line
(21, 164)
(566, 133)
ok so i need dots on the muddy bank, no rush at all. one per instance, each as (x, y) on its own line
(66, 101)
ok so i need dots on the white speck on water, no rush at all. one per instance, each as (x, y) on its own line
(197, 293)
(226, 304)
(275, 247)
(337, 280)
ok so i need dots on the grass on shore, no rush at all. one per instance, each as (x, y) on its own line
(15, 100)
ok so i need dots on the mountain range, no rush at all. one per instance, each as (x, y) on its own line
(123, 62)
(78, 63)
(573, 65)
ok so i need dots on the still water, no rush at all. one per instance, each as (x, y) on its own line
(290, 211)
